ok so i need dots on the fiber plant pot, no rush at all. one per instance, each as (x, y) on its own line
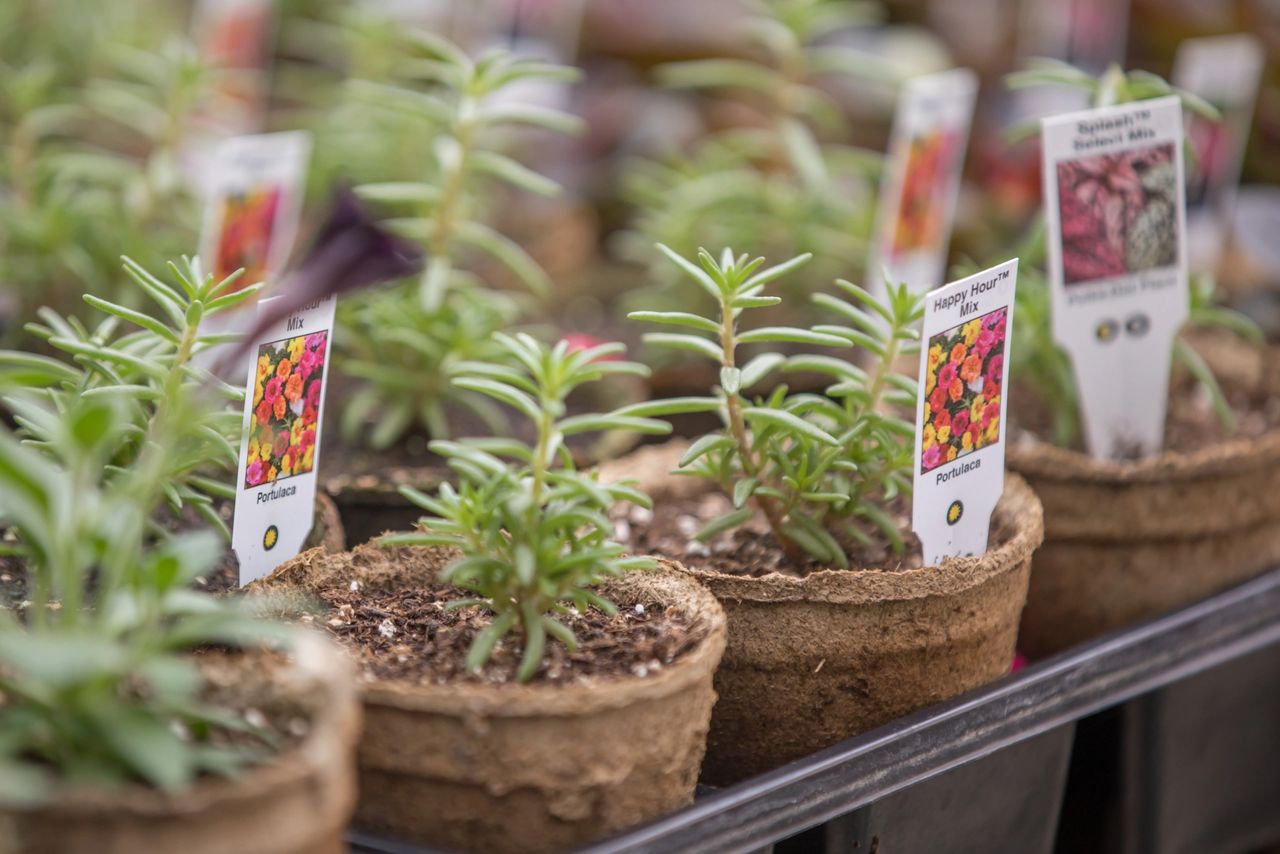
(814, 660)
(299, 803)
(1125, 541)
(532, 767)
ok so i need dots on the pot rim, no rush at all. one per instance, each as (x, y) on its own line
(1043, 461)
(314, 660)
(1018, 507)
(669, 583)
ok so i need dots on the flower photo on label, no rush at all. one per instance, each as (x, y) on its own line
(931, 159)
(248, 224)
(1118, 213)
(286, 405)
(963, 380)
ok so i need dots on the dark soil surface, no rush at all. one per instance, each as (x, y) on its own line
(408, 636)
(752, 550)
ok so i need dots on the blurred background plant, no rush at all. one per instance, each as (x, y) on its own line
(448, 124)
(782, 175)
(94, 126)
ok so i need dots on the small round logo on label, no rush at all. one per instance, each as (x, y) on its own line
(954, 512)
(270, 537)
(1106, 331)
(1137, 325)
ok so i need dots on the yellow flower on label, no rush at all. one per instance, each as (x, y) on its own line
(970, 331)
(951, 453)
(966, 442)
(930, 436)
(944, 434)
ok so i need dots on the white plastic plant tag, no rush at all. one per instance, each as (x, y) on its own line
(1115, 214)
(280, 442)
(922, 179)
(252, 208)
(960, 416)
(1225, 71)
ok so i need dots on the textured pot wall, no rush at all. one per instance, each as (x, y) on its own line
(527, 767)
(298, 804)
(816, 660)
(1128, 541)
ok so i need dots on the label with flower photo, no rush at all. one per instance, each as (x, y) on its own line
(252, 208)
(960, 423)
(1116, 220)
(1225, 71)
(280, 444)
(922, 178)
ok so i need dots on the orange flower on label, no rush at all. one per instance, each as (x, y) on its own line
(958, 353)
(971, 369)
(956, 391)
(284, 368)
(293, 388)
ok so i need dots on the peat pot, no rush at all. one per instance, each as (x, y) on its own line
(535, 767)
(814, 660)
(1128, 540)
(299, 803)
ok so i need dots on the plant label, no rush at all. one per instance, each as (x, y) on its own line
(922, 179)
(253, 204)
(280, 442)
(1225, 71)
(1114, 205)
(960, 415)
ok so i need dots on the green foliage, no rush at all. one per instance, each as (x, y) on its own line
(450, 120)
(91, 168)
(784, 185)
(533, 531)
(1037, 361)
(143, 361)
(1113, 86)
(97, 686)
(820, 468)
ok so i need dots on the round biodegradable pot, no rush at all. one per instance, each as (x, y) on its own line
(299, 803)
(509, 767)
(1126, 541)
(814, 660)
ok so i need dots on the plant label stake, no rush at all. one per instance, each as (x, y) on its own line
(918, 194)
(280, 442)
(253, 203)
(1225, 71)
(1114, 205)
(960, 423)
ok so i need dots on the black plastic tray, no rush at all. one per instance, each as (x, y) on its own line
(871, 780)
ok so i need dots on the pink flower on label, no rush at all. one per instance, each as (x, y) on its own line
(995, 372)
(947, 375)
(255, 473)
(932, 457)
(986, 340)
(272, 390)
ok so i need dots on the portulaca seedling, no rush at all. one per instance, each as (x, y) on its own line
(143, 360)
(821, 469)
(468, 115)
(97, 685)
(533, 532)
